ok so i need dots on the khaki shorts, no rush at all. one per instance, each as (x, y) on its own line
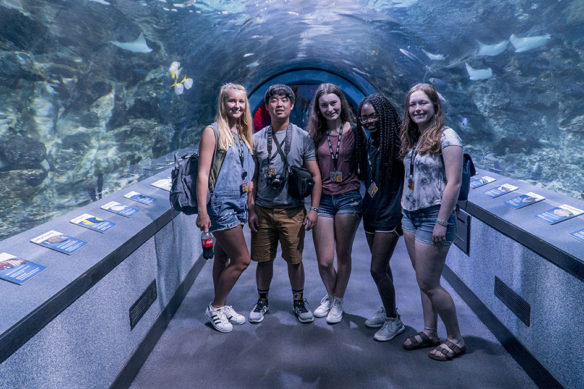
(277, 224)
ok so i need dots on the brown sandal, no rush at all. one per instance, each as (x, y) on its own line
(420, 340)
(449, 351)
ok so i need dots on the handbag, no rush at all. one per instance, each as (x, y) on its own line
(300, 182)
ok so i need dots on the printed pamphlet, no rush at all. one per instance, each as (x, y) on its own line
(93, 222)
(117, 208)
(578, 234)
(480, 181)
(17, 270)
(500, 190)
(524, 200)
(164, 183)
(559, 214)
(139, 197)
(59, 242)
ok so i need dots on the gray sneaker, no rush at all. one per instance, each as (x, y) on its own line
(259, 310)
(377, 319)
(325, 306)
(391, 328)
(335, 314)
(302, 312)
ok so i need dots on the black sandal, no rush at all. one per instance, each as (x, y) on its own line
(420, 340)
(449, 352)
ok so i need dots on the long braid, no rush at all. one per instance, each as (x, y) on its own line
(389, 127)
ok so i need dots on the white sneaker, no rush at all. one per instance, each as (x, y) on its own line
(335, 314)
(218, 319)
(232, 316)
(392, 327)
(377, 319)
(325, 306)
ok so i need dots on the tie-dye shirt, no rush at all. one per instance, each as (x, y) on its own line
(429, 176)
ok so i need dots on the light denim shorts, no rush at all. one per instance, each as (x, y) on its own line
(348, 202)
(227, 212)
(422, 222)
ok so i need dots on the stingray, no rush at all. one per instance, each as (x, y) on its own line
(492, 50)
(478, 74)
(528, 43)
(137, 46)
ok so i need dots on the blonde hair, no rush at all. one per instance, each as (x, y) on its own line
(244, 122)
(429, 141)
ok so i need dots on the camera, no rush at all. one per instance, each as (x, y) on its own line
(275, 181)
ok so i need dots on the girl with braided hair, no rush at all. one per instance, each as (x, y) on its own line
(432, 154)
(331, 127)
(381, 204)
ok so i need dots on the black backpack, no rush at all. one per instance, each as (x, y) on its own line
(468, 170)
(183, 191)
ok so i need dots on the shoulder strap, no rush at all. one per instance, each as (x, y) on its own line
(218, 158)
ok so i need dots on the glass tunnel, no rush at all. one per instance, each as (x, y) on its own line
(88, 105)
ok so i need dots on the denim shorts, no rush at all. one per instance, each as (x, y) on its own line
(227, 212)
(348, 202)
(422, 222)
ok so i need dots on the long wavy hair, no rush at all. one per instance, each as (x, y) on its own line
(317, 123)
(389, 126)
(429, 141)
(245, 122)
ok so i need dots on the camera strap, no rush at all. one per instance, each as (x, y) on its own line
(283, 155)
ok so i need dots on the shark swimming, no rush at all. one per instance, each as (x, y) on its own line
(478, 74)
(529, 42)
(492, 50)
(434, 57)
(137, 46)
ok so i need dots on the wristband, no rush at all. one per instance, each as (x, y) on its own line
(315, 209)
(443, 223)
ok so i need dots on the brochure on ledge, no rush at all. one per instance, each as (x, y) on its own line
(59, 242)
(164, 183)
(119, 209)
(17, 270)
(524, 200)
(480, 181)
(139, 197)
(500, 190)
(578, 234)
(93, 222)
(559, 214)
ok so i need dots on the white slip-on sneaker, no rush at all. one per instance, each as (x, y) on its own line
(335, 314)
(325, 306)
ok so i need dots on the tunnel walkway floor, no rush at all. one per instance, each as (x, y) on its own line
(280, 352)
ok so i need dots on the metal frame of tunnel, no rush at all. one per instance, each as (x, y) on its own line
(353, 86)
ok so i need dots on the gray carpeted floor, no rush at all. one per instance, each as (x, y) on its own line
(282, 353)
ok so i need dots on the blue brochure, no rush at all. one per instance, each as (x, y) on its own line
(559, 214)
(480, 181)
(524, 200)
(500, 190)
(164, 183)
(17, 270)
(119, 209)
(93, 222)
(59, 242)
(139, 197)
(578, 234)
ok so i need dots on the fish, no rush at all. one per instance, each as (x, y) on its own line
(411, 56)
(439, 83)
(179, 89)
(247, 55)
(137, 46)
(253, 64)
(478, 74)
(174, 69)
(528, 43)
(464, 122)
(434, 57)
(188, 83)
(492, 50)
(101, 2)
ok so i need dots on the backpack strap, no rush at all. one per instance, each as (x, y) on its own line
(218, 159)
